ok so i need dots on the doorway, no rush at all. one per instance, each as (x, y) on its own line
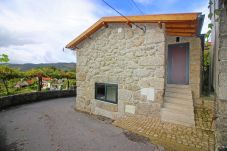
(178, 64)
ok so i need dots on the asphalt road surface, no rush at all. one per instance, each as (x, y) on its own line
(54, 125)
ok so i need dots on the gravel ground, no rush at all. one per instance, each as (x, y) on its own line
(55, 126)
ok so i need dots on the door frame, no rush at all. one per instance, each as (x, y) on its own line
(171, 46)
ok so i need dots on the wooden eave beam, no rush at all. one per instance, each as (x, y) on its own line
(185, 30)
(154, 18)
(180, 25)
(171, 20)
(180, 34)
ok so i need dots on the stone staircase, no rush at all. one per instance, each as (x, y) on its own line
(178, 105)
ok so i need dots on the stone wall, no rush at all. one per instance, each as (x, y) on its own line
(195, 59)
(220, 75)
(221, 123)
(125, 56)
(17, 99)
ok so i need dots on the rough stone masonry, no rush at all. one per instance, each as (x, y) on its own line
(136, 62)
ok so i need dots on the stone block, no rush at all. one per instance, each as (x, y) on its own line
(152, 60)
(132, 65)
(160, 72)
(224, 42)
(130, 109)
(157, 83)
(223, 80)
(124, 94)
(154, 37)
(82, 61)
(141, 73)
(159, 96)
(138, 41)
(129, 33)
(195, 67)
(138, 96)
(107, 106)
(223, 67)
(223, 53)
(147, 109)
(195, 42)
(195, 76)
(143, 108)
(222, 93)
(81, 76)
(132, 87)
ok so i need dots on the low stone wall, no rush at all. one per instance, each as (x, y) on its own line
(13, 100)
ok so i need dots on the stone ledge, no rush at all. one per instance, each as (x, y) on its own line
(107, 106)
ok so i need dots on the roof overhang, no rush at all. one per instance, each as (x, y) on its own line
(182, 24)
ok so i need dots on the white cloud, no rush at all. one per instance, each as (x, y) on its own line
(37, 31)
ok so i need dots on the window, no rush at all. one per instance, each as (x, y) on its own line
(106, 92)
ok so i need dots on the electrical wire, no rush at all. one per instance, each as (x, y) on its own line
(143, 29)
(134, 3)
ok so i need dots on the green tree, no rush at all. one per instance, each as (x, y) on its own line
(38, 73)
(7, 73)
(68, 75)
(4, 58)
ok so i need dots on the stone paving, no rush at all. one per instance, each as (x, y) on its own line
(172, 136)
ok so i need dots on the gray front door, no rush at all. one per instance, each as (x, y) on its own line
(178, 64)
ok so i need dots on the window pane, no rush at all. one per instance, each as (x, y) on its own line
(111, 93)
(100, 91)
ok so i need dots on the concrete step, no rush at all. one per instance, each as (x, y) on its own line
(179, 112)
(176, 117)
(179, 90)
(179, 107)
(178, 95)
(178, 100)
(178, 86)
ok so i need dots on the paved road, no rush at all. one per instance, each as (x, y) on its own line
(54, 126)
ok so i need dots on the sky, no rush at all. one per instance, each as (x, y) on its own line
(36, 31)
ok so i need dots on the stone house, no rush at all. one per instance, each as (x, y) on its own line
(140, 65)
(219, 69)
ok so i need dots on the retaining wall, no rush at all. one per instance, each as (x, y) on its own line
(13, 100)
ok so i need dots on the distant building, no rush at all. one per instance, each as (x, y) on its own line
(21, 84)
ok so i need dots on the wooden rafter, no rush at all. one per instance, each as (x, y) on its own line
(129, 24)
(105, 24)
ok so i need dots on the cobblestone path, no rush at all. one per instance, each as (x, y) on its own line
(173, 136)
